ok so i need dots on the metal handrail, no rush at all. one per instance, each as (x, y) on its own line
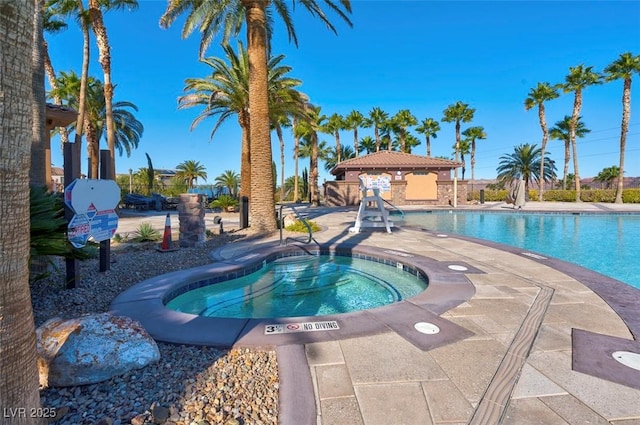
(393, 206)
(303, 220)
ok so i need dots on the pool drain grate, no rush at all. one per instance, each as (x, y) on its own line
(427, 328)
(627, 358)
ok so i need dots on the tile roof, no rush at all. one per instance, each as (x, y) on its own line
(394, 160)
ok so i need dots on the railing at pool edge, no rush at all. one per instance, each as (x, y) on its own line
(394, 207)
(303, 220)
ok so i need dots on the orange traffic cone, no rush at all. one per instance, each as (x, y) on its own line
(167, 244)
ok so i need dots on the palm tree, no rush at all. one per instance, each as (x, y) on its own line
(212, 17)
(472, 134)
(465, 149)
(367, 144)
(100, 31)
(403, 120)
(562, 131)
(311, 148)
(458, 112)
(377, 118)
(334, 125)
(229, 180)
(75, 8)
(296, 156)
(429, 127)
(277, 124)
(331, 159)
(622, 69)
(38, 168)
(353, 121)
(128, 130)
(542, 93)
(524, 163)
(19, 383)
(190, 171)
(608, 175)
(579, 78)
(410, 142)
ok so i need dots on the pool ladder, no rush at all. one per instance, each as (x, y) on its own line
(297, 239)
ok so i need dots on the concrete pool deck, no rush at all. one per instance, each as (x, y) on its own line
(541, 333)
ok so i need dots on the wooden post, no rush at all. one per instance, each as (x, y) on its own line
(71, 170)
(105, 174)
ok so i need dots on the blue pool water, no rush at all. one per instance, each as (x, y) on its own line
(310, 285)
(606, 243)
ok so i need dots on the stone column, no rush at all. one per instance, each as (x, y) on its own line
(191, 216)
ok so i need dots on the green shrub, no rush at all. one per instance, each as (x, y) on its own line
(225, 202)
(298, 226)
(559, 195)
(631, 196)
(146, 233)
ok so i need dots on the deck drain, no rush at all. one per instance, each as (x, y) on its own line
(426, 328)
(457, 267)
(442, 236)
(628, 359)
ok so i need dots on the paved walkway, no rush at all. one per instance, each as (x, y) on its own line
(543, 334)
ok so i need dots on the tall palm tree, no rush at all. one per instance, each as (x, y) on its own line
(353, 121)
(296, 156)
(465, 149)
(543, 92)
(403, 120)
(311, 148)
(579, 78)
(277, 123)
(562, 131)
(429, 127)
(607, 175)
(39, 166)
(190, 171)
(227, 17)
(76, 9)
(19, 383)
(622, 69)
(335, 124)
(377, 118)
(229, 180)
(524, 163)
(100, 31)
(457, 113)
(128, 130)
(472, 134)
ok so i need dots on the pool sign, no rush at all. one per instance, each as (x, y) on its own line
(288, 328)
(94, 203)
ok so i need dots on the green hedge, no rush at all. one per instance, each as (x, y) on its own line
(629, 196)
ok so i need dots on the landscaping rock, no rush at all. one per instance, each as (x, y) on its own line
(91, 349)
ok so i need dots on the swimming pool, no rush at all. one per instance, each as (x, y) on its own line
(304, 285)
(606, 243)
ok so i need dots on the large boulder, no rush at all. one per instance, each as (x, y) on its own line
(91, 349)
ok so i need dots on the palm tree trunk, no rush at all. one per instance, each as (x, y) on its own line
(39, 165)
(313, 169)
(281, 140)
(83, 83)
(245, 158)
(626, 113)
(377, 135)
(102, 40)
(53, 83)
(473, 162)
(545, 138)
(262, 207)
(355, 141)
(92, 148)
(428, 145)
(567, 157)
(19, 383)
(338, 147)
(296, 155)
(577, 105)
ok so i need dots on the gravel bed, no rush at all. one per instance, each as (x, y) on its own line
(189, 385)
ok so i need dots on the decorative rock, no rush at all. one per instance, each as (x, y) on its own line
(91, 349)
(289, 220)
(160, 414)
(105, 421)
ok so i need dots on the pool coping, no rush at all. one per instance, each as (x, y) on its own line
(447, 288)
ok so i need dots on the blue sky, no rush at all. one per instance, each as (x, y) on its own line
(416, 55)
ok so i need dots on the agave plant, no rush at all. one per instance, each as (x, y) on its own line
(146, 233)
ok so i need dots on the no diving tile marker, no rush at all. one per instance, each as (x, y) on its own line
(288, 328)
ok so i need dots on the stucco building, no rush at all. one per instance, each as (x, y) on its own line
(403, 179)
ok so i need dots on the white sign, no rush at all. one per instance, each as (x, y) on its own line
(84, 194)
(79, 230)
(93, 202)
(301, 327)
